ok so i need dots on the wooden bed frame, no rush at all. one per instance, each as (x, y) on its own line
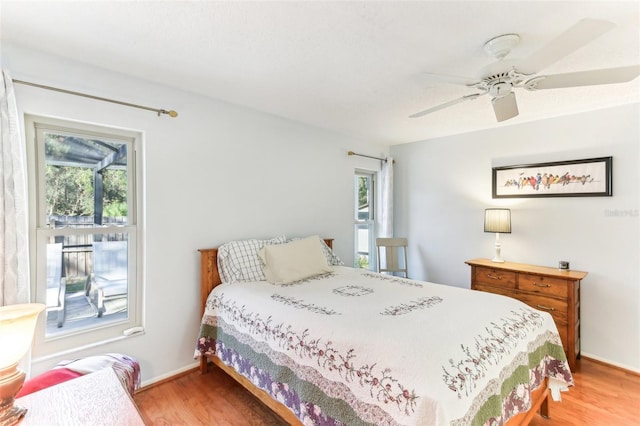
(210, 278)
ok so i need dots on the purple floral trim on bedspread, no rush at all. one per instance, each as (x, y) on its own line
(307, 412)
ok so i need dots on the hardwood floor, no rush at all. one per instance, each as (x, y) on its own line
(213, 399)
(602, 395)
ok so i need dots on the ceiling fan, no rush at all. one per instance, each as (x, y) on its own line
(500, 78)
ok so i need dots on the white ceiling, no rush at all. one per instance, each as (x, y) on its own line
(353, 67)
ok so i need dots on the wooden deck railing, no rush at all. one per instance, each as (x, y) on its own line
(77, 249)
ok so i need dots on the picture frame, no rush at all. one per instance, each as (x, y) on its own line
(576, 178)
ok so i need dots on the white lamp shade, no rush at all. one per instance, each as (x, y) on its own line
(17, 324)
(497, 220)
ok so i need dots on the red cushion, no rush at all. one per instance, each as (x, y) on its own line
(46, 379)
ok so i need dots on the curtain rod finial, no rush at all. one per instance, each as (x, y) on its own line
(171, 113)
(351, 153)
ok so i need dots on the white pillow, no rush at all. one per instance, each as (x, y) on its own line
(238, 260)
(294, 261)
(332, 258)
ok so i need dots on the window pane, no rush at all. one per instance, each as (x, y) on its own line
(85, 178)
(363, 191)
(87, 281)
(362, 244)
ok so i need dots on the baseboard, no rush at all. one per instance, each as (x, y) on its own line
(147, 384)
(605, 362)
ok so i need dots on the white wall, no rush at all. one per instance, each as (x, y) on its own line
(215, 173)
(443, 186)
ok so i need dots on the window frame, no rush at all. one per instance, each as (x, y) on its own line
(40, 234)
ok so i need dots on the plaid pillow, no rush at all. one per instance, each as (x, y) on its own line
(238, 260)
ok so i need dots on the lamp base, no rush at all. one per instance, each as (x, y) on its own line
(498, 258)
(12, 416)
(11, 381)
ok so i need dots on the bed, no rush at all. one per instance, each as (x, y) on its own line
(349, 346)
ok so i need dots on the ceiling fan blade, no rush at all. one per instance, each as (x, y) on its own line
(571, 40)
(505, 107)
(445, 105)
(584, 78)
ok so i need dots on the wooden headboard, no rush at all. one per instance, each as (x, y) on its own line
(209, 275)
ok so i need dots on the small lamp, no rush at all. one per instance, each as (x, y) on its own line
(498, 221)
(17, 324)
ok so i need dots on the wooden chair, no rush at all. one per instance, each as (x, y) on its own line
(394, 261)
(109, 279)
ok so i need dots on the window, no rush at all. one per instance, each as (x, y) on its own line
(84, 191)
(364, 220)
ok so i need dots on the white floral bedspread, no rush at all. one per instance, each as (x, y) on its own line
(356, 347)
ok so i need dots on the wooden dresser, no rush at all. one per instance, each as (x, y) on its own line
(556, 291)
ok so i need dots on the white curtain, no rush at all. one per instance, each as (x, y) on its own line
(386, 198)
(14, 253)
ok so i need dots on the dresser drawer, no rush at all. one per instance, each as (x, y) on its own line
(547, 286)
(557, 308)
(505, 291)
(495, 277)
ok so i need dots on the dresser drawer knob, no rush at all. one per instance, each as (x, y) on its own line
(546, 308)
(541, 284)
(494, 277)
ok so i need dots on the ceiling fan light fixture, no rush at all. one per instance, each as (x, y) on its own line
(505, 107)
(500, 46)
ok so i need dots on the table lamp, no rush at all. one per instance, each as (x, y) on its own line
(17, 324)
(498, 221)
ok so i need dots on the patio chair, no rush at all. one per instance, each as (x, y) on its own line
(393, 261)
(109, 278)
(56, 285)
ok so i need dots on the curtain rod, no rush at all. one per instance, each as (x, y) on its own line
(368, 156)
(171, 113)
